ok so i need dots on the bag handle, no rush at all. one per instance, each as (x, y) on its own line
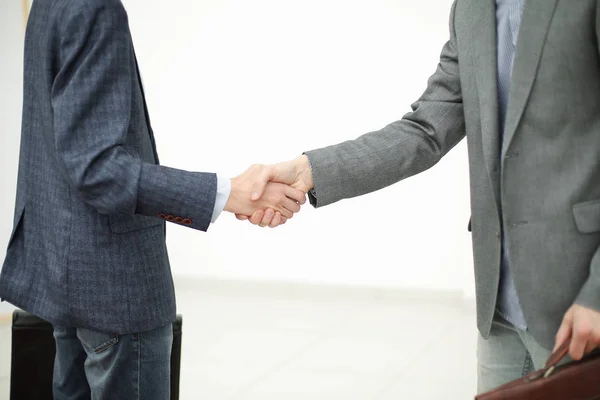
(556, 357)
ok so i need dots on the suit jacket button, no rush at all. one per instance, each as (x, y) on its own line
(187, 221)
(179, 220)
(498, 235)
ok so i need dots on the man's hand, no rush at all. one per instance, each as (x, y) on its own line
(296, 173)
(582, 325)
(282, 200)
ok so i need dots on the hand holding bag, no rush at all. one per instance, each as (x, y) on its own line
(578, 380)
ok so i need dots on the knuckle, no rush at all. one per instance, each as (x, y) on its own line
(568, 318)
(583, 330)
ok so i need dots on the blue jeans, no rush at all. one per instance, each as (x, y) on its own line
(508, 354)
(101, 366)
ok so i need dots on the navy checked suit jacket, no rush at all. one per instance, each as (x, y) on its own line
(88, 243)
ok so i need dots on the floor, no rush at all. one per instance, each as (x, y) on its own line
(263, 342)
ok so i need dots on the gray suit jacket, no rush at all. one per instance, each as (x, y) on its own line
(545, 180)
(88, 245)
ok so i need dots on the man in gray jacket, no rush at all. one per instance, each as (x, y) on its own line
(88, 251)
(521, 80)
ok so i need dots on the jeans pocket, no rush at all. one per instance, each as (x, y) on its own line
(97, 341)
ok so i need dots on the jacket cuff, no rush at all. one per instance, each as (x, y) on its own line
(182, 197)
(327, 188)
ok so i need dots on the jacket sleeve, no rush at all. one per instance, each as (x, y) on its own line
(402, 149)
(91, 99)
(589, 296)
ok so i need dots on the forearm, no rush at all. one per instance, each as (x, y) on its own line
(402, 149)
(373, 161)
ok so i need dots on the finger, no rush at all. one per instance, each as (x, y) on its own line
(267, 173)
(595, 340)
(241, 217)
(581, 336)
(257, 217)
(276, 220)
(291, 205)
(285, 212)
(577, 349)
(267, 218)
(295, 194)
(283, 220)
(565, 331)
(591, 346)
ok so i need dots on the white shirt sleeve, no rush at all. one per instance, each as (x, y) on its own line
(223, 192)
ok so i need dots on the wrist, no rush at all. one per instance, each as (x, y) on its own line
(304, 170)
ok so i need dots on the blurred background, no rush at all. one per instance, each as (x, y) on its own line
(364, 299)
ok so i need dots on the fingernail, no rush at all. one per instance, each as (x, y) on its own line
(254, 196)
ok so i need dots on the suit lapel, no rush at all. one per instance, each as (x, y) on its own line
(484, 58)
(535, 23)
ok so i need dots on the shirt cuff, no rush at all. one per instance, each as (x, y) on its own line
(223, 192)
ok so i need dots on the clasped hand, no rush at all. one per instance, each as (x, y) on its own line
(269, 195)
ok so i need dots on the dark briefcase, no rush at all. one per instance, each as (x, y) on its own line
(574, 381)
(32, 360)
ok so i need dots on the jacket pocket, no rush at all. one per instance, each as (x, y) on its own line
(587, 216)
(131, 223)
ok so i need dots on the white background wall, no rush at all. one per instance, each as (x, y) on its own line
(231, 83)
(11, 82)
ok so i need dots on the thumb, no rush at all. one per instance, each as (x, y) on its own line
(266, 174)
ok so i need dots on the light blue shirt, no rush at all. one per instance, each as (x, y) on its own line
(223, 192)
(508, 24)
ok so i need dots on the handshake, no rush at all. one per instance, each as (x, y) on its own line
(269, 195)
